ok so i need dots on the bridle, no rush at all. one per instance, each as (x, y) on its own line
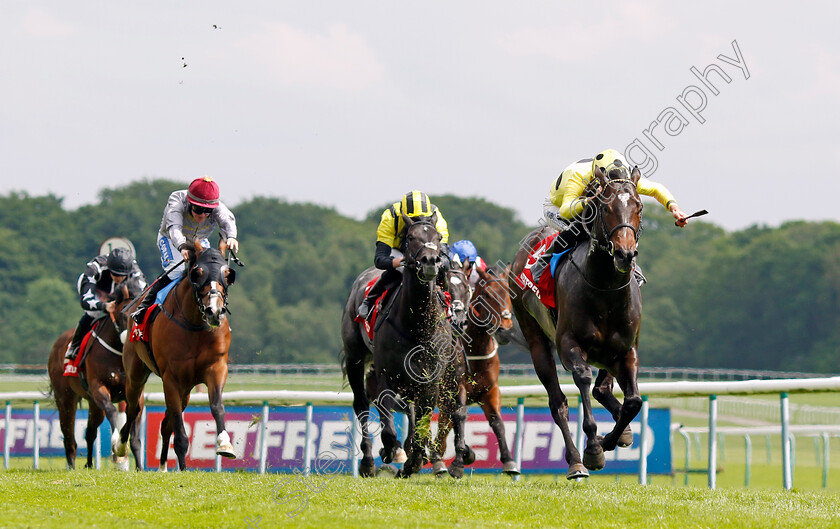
(608, 245)
(412, 261)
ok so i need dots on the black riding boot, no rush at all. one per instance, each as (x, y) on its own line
(82, 329)
(149, 300)
(385, 281)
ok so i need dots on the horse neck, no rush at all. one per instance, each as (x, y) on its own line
(599, 270)
(480, 337)
(417, 305)
(185, 300)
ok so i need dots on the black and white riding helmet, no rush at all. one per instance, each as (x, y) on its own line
(120, 262)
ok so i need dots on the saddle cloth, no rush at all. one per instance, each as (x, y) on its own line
(71, 369)
(370, 323)
(543, 285)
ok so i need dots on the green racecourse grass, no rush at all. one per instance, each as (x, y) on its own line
(111, 499)
(57, 498)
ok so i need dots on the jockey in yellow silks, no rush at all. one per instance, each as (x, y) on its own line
(572, 191)
(390, 239)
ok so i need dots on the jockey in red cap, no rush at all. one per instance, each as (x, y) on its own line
(190, 214)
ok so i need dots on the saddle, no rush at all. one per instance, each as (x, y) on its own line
(72, 369)
(139, 332)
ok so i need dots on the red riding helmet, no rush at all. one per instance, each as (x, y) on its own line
(204, 192)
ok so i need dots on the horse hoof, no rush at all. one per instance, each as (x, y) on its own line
(385, 456)
(626, 438)
(162, 468)
(402, 475)
(593, 459)
(576, 471)
(122, 464)
(456, 472)
(367, 469)
(226, 450)
(469, 456)
(119, 448)
(510, 469)
(439, 468)
(400, 456)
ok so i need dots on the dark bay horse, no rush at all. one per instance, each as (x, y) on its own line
(412, 353)
(489, 311)
(101, 380)
(188, 344)
(599, 310)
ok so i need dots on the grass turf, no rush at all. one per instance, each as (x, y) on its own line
(242, 500)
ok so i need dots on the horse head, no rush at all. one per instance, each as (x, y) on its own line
(461, 292)
(210, 277)
(491, 306)
(618, 216)
(422, 247)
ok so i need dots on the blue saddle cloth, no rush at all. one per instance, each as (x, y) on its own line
(556, 259)
(161, 296)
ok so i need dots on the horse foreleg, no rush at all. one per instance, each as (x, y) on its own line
(603, 393)
(102, 399)
(215, 380)
(165, 436)
(95, 418)
(136, 374)
(134, 439)
(385, 404)
(419, 435)
(361, 407)
(175, 408)
(593, 454)
(491, 404)
(627, 378)
(438, 449)
(459, 418)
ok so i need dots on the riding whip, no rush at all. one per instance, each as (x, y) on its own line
(695, 214)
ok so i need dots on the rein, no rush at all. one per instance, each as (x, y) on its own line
(608, 247)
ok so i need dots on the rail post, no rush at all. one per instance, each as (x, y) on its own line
(713, 412)
(307, 455)
(520, 434)
(787, 479)
(643, 442)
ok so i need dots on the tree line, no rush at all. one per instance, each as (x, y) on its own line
(759, 298)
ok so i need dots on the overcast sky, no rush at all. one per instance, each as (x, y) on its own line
(350, 104)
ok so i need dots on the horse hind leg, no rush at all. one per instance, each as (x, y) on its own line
(438, 449)
(603, 394)
(66, 402)
(361, 407)
(546, 368)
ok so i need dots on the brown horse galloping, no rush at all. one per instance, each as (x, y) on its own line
(187, 345)
(103, 374)
(488, 312)
(599, 311)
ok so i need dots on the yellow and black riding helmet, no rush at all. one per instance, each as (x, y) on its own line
(612, 163)
(416, 204)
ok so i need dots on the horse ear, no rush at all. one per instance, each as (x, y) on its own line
(465, 266)
(406, 219)
(197, 247)
(223, 246)
(482, 274)
(635, 175)
(230, 276)
(602, 178)
(195, 274)
(433, 219)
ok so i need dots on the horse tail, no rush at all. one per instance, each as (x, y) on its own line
(342, 360)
